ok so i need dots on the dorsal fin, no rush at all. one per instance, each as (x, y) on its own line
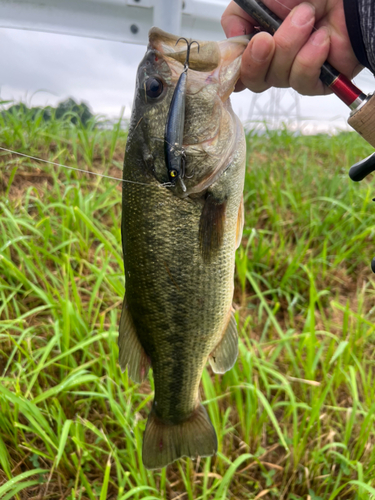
(240, 223)
(131, 353)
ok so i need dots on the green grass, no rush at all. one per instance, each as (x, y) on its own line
(294, 417)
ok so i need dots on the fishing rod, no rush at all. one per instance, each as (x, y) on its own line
(362, 116)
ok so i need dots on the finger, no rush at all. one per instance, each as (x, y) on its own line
(289, 39)
(304, 76)
(235, 21)
(282, 8)
(256, 61)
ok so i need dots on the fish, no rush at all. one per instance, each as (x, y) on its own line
(179, 244)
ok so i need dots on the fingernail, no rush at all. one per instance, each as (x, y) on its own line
(260, 51)
(319, 37)
(304, 14)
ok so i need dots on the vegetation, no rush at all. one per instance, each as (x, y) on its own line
(294, 417)
(65, 110)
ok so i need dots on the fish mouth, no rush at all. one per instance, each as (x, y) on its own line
(213, 59)
(213, 71)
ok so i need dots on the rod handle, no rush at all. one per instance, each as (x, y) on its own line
(363, 120)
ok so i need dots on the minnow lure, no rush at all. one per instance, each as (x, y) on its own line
(174, 130)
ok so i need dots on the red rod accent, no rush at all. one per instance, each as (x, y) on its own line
(345, 90)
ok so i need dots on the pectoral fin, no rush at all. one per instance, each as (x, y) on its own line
(225, 353)
(131, 353)
(211, 227)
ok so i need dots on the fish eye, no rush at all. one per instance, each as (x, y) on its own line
(153, 87)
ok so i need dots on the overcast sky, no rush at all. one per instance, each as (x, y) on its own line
(44, 68)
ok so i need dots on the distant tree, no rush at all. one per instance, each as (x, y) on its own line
(66, 110)
(76, 111)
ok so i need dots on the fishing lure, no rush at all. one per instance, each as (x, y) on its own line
(174, 130)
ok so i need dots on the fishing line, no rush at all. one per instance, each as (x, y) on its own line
(282, 5)
(165, 184)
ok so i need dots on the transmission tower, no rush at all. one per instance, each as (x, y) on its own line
(274, 108)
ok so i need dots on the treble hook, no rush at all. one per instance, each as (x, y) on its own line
(189, 44)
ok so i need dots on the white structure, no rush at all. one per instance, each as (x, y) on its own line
(116, 20)
(275, 107)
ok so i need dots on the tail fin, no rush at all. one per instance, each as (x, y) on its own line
(165, 443)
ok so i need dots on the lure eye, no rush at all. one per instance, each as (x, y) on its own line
(154, 87)
(173, 173)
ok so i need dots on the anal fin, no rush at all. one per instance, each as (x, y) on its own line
(131, 353)
(163, 443)
(225, 353)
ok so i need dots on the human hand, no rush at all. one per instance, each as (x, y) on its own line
(293, 56)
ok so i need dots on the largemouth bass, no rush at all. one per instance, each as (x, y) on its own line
(179, 245)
